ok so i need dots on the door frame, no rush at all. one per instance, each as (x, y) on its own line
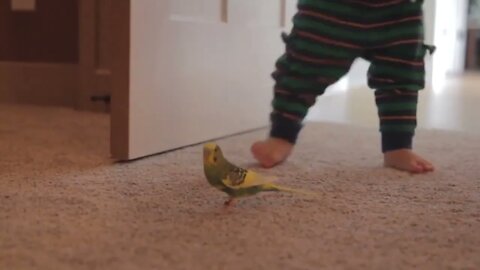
(119, 127)
(93, 79)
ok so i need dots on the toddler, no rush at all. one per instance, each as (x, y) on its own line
(327, 36)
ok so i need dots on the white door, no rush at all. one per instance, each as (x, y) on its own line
(449, 38)
(444, 40)
(198, 70)
(460, 37)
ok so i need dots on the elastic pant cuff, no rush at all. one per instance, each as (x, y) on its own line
(284, 128)
(396, 140)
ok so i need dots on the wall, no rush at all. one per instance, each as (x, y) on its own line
(449, 35)
(39, 53)
(474, 14)
(49, 34)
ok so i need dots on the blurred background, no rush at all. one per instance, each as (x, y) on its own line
(98, 55)
(43, 39)
(450, 100)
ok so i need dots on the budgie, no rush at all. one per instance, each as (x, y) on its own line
(233, 180)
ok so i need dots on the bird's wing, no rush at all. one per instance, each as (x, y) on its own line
(239, 178)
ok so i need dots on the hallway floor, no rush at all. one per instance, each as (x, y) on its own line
(65, 205)
(455, 106)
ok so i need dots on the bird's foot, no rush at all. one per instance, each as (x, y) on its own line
(230, 202)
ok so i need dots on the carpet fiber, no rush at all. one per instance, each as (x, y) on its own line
(65, 205)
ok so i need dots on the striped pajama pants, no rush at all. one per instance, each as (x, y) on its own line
(327, 36)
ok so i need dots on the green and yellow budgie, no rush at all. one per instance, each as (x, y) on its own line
(235, 181)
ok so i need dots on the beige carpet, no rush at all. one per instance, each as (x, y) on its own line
(64, 205)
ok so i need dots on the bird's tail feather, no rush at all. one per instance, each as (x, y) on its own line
(274, 187)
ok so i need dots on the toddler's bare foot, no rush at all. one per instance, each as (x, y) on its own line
(271, 152)
(407, 160)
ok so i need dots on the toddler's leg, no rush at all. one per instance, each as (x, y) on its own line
(397, 73)
(319, 51)
(397, 112)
